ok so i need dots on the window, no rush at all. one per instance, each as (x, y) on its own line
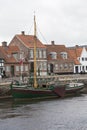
(82, 58)
(17, 68)
(83, 68)
(26, 68)
(61, 66)
(53, 55)
(7, 68)
(21, 54)
(1, 60)
(78, 58)
(31, 54)
(40, 54)
(1, 64)
(65, 66)
(48, 67)
(44, 66)
(56, 66)
(63, 55)
(15, 55)
(41, 65)
(22, 68)
(44, 53)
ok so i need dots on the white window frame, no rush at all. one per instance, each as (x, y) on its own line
(56, 66)
(40, 53)
(17, 68)
(61, 66)
(65, 65)
(44, 53)
(31, 54)
(64, 55)
(22, 68)
(7, 68)
(26, 67)
(45, 66)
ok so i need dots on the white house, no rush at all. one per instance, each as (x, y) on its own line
(81, 57)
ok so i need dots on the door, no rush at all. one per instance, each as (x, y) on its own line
(51, 68)
(32, 67)
(12, 70)
(76, 69)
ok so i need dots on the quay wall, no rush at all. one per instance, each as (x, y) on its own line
(72, 77)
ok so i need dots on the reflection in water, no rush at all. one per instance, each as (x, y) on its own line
(57, 114)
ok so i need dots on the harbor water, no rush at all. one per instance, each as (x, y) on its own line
(55, 114)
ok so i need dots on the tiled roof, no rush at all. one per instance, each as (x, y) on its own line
(58, 49)
(28, 41)
(76, 62)
(7, 53)
(76, 52)
(12, 49)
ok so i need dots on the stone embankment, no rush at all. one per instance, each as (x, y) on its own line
(78, 77)
(62, 78)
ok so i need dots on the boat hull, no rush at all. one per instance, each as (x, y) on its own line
(56, 91)
(37, 93)
(74, 89)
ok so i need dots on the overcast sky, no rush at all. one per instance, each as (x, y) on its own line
(62, 21)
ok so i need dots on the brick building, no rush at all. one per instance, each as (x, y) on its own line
(25, 43)
(8, 60)
(18, 57)
(59, 59)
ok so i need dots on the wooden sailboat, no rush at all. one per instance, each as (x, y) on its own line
(33, 90)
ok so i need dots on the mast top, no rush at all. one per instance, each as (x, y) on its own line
(34, 25)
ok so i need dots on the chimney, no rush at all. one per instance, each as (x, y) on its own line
(4, 44)
(77, 46)
(52, 43)
(23, 32)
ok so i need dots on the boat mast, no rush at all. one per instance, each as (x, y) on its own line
(35, 66)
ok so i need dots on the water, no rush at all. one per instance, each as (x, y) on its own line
(58, 114)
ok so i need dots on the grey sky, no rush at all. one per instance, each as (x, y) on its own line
(64, 21)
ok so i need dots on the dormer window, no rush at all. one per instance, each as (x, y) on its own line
(63, 55)
(53, 55)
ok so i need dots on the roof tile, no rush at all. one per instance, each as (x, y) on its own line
(29, 40)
